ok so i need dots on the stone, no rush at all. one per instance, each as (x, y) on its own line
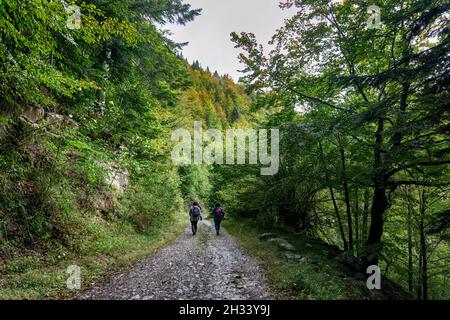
(3, 133)
(308, 260)
(283, 244)
(117, 178)
(299, 258)
(60, 120)
(26, 122)
(267, 236)
(105, 203)
(293, 257)
(32, 114)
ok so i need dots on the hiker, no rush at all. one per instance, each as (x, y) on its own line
(218, 214)
(195, 213)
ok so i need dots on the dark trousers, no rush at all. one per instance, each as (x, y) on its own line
(217, 223)
(194, 226)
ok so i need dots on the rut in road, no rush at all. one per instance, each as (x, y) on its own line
(198, 267)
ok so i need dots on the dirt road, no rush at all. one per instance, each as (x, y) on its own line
(198, 267)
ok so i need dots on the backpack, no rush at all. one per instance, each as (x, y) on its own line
(195, 211)
(218, 212)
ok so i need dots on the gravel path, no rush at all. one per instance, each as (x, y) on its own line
(200, 267)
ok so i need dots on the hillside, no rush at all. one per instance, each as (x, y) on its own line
(359, 125)
(85, 121)
(213, 99)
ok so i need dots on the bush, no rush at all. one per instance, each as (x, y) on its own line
(153, 200)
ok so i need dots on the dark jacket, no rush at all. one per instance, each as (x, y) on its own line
(214, 213)
(191, 213)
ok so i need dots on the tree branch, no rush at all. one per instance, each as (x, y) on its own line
(422, 164)
(417, 183)
(309, 97)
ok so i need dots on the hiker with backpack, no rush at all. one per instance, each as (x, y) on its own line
(195, 214)
(218, 214)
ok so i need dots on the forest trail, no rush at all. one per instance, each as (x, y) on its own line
(198, 267)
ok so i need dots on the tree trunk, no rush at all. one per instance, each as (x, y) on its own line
(333, 198)
(365, 214)
(379, 202)
(356, 216)
(373, 244)
(410, 247)
(346, 196)
(419, 283)
(424, 273)
(338, 216)
(423, 247)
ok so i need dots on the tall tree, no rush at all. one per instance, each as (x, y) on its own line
(386, 88)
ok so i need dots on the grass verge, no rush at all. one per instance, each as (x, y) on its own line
(116, 246)
(320, 277)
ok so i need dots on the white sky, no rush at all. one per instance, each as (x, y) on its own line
(209, 34)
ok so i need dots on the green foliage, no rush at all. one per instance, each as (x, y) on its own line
(196, 183)
(34, 39)
(364, 149)
(363, 114)
(77, 107)
(153, 201)
(214, 99)
(320, 277)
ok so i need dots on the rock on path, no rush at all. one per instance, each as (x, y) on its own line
(199, 268)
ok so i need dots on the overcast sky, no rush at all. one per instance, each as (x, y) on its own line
(209, 34)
